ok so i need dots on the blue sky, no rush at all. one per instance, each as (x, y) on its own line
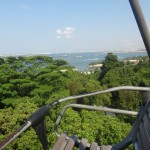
(57, 26)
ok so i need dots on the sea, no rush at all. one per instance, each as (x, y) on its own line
(82, 60)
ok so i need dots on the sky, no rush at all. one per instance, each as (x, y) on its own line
(66, 26)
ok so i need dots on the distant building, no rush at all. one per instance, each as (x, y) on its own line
(132, 61)
(95, 66)
(63, 70)
(75, 69)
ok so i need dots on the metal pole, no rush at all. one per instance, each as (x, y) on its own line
(15, 134)
(141, 23)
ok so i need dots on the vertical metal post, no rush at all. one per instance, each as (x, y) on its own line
(141, 23)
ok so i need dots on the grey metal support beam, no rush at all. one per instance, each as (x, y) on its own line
(141, 23)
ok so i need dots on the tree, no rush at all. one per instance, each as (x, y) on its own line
(111, 61)
(27, 83)
(105, 130)
(60, 62)
(1, 60)
(11, 60)
(23, 87)
(12, 119)
(144, 76)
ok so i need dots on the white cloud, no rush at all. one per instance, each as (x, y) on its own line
(58, 31)
(67, 32)
(24, 6)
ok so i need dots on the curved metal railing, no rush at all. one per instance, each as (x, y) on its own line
(37, 118)
(87, 107)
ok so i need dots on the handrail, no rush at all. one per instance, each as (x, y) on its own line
(40, 114)
(133, 88)
(99, 108)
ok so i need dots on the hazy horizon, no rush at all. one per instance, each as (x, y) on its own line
(69, 26)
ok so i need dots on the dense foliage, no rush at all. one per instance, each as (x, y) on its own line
(27, 83)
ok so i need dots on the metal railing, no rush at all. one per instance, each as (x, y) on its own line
(36, 120)
(94, 108)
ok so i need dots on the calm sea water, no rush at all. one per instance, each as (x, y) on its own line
(82, 60)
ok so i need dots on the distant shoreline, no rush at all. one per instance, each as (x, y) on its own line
(65, 53)
(135, 51)
(82, 60)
